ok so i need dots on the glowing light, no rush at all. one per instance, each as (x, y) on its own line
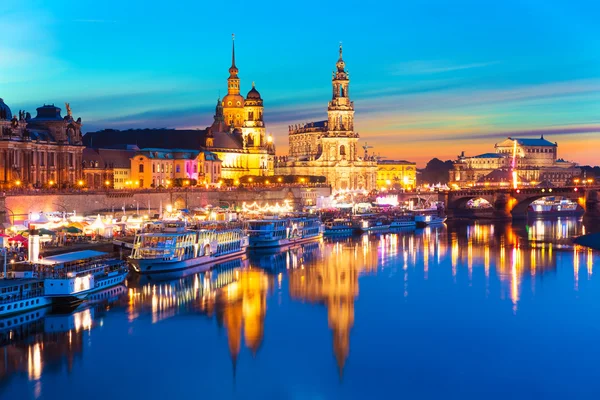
(169, 208)
(18, 183)
(80, 183)
(277, 208)
(51, 183)
(107, 183)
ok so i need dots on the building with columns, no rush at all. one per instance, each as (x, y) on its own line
(535, 161)
(329, 148)
(45, 150)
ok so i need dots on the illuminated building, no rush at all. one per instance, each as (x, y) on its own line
(160, 167)
(39, 150)
(396, 174)
(330, 148)
(534, 161)
(237, 136)
(107, 168)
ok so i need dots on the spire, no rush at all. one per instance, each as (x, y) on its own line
(341, 65)
(233, 49)
(233, 71)
(340, 50)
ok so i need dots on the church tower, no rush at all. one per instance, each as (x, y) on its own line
(254, 127)
(339, 144)
(233, 102)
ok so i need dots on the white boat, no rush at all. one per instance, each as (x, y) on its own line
(20, 295)
(403, 221)
(371, 225)
(424, 220)
(174, 247)
(338, 227)
(283, 232)
(71, 277)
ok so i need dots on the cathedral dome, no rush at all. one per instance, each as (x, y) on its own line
(253, 94)
(4, 111)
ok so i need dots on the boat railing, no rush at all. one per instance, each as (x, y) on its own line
(9, 298)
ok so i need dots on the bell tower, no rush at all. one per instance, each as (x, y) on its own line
(233, 102)
(339, 143)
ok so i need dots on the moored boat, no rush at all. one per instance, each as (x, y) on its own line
(424, 220)
(338, 227)
(71, 277)
(273, 232)
(174, 247)
(19, 295)
(403, 221)
(371, 224)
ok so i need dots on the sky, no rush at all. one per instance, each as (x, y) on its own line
(429, 78)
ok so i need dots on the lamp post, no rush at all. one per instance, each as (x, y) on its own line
(5, 254)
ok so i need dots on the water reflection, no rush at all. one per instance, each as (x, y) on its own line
(503, 262)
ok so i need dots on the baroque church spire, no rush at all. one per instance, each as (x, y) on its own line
(233, 71)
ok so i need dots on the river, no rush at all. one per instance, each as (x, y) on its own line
(469, 311)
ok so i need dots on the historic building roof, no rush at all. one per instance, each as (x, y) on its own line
(533, 142)
(253, 94)
(5, 112)
(490, 155)
(147, 138)
(107, 158)
(47, 113)
(499, 175)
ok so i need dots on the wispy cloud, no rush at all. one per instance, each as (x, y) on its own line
(435, 67)
(96, 21)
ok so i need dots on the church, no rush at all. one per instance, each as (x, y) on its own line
(237, 135)
(329, 148)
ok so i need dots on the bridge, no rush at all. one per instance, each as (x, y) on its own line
(510, 203)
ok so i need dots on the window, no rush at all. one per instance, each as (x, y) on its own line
(141, 168)
(177, 169)
(342, 150)
(250, 116)
(195, 168)
(153, 168)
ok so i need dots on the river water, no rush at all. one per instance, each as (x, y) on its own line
(469, 311)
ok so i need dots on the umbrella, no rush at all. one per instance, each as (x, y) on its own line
(77, 225)
(43, 231)
(70, 229)
(18, 238)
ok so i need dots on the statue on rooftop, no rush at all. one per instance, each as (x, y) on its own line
(68, 107)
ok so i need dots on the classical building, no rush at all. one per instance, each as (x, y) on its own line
(237, 136)
(535, 162)
(396, 174)
(161, 167)
(329, 148)
(39, 151)
(107, 168)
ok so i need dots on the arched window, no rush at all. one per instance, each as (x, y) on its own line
(177, 169)
(341, 90)
(250, 116)
(342, 150)
(141, 168)
(340, 122)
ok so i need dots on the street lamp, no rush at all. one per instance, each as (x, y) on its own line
(107, 183)
(80, 183)
(18, 183)
(51, 183)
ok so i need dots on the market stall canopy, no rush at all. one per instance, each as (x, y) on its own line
(98, 224)
(44, 231)
(70, 229)
(18, 238)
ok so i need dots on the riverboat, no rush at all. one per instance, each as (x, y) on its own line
(71, 277)
(552, 207)
(403, 221)
(174, 247)
(20, 295)
(274, 232)
(338, 227)
(371, 224)
(424, 220)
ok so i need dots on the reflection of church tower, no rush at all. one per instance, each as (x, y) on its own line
(341, 139)
(334, 282)
(233, 102)
(244, 305)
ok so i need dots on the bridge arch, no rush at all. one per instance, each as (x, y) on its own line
(521, 208)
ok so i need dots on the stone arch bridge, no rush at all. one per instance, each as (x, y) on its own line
(513, 203)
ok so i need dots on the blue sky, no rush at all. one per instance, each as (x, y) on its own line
(429, 78)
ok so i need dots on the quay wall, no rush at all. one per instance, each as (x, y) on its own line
(16, 207)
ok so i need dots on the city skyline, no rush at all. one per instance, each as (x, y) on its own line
(427, 81)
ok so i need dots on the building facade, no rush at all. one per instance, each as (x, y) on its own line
(107, 168)
(534, 162)
(237, 136)
(330, 148)
(42, 151)
(153, 168)
(392, 174)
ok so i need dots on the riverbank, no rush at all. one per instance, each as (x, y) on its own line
(591, 240)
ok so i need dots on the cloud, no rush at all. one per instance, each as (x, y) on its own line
(96, 21)
(434, 67)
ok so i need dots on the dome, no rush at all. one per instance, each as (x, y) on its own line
(253, 94)
(4, 111)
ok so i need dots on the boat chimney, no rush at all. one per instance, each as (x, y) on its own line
(33, 245)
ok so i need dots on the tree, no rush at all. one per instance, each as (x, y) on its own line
(436, 171)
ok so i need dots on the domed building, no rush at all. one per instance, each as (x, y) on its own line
(5, 113)
(42, 151)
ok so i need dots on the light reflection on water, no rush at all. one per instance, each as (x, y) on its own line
(360, 283)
